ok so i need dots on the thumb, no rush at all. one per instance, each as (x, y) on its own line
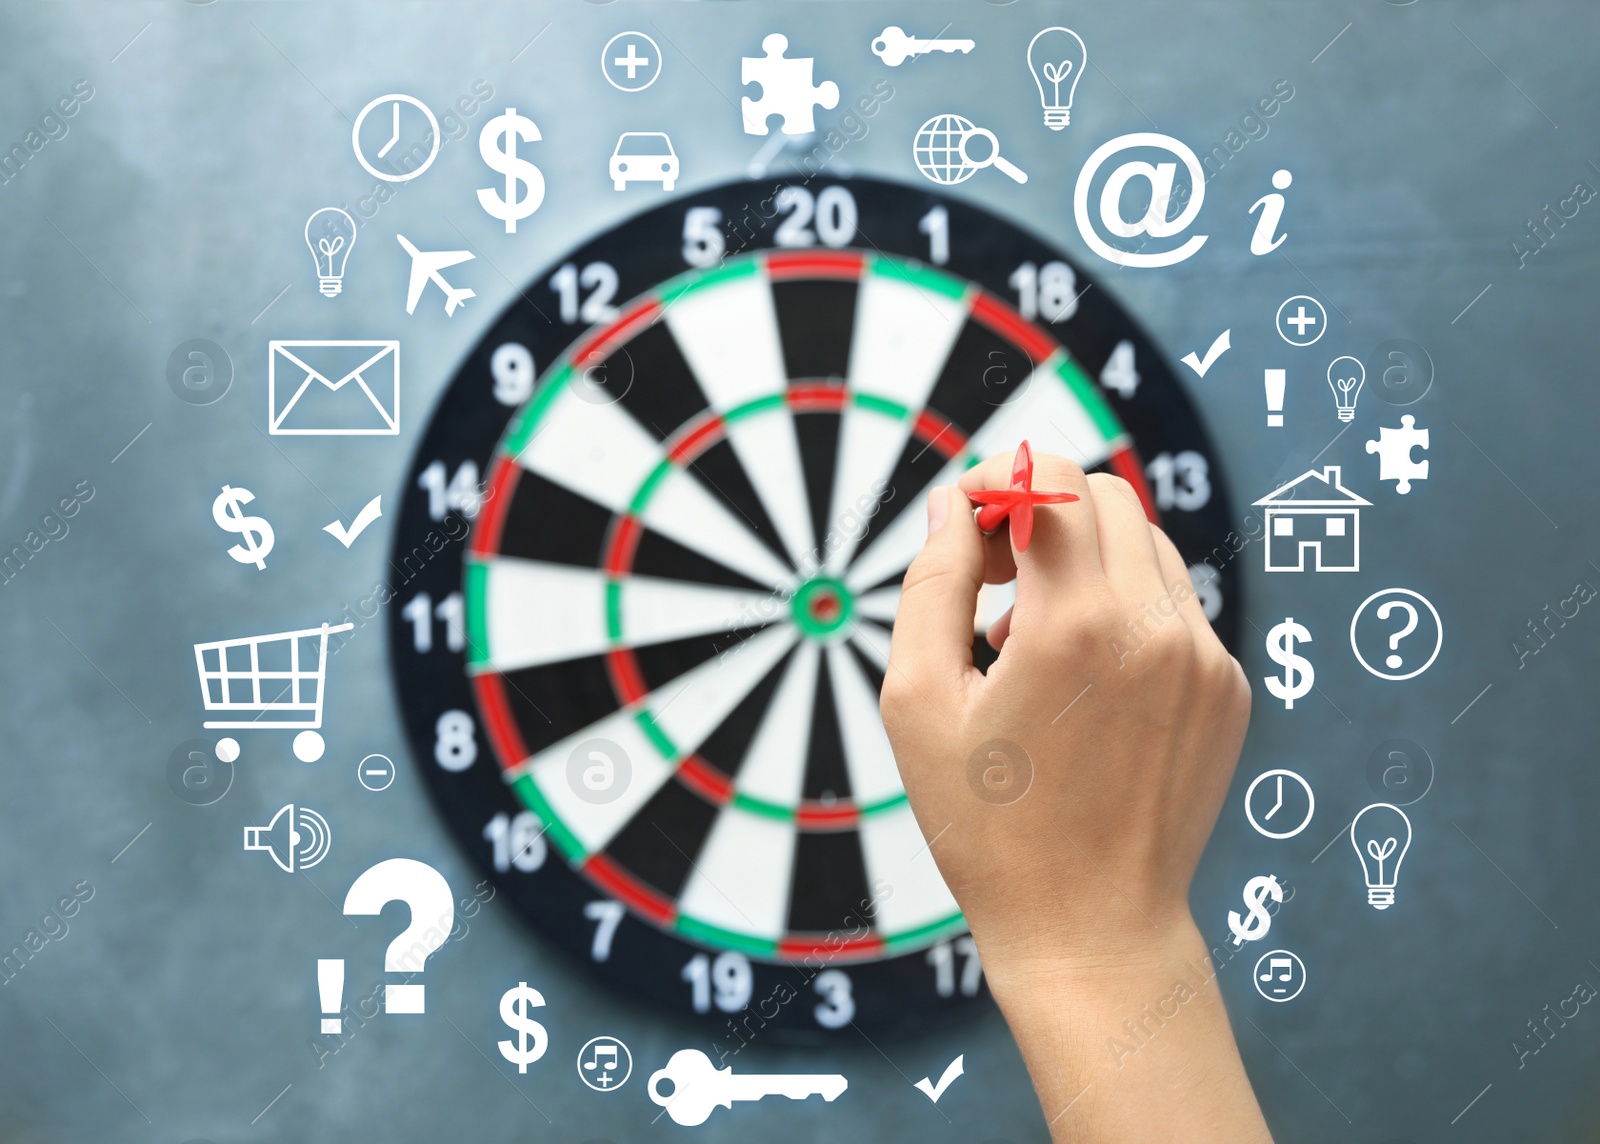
(933, 630)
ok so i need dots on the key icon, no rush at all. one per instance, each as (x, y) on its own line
(695, 1087)
(894, 47)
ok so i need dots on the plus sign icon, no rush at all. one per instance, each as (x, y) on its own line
(1301, 320)
(630, 61)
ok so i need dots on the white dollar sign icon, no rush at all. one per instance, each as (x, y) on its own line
(514, 1007)
(497, 143)
(1298, 674)
(1254, 927)
(255, 531)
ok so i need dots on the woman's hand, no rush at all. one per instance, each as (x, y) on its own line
(1068, 793)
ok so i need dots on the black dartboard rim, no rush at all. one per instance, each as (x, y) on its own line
(895, 986)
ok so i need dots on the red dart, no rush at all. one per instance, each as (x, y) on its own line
(1016, 502)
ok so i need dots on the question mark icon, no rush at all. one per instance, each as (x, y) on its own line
(433, 916)
(1384, 606)
(1387, 609)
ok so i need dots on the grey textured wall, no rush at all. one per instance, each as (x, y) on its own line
(1422, 138)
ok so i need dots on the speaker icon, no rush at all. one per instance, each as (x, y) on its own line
(297, 838)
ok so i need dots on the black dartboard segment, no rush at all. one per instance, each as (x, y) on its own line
(644, 690)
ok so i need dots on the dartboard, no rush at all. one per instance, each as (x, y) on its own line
(653, 541)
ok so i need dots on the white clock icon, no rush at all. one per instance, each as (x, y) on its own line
(392, 172)
(1271, 801)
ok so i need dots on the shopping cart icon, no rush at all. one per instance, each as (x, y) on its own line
(278, 679)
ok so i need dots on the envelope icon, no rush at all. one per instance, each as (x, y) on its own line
(333, 389)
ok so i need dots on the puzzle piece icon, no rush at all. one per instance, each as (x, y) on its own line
(1394, 454)
(786, 90)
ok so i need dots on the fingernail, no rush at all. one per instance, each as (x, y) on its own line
(938, 508)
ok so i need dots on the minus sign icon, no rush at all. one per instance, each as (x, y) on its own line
(376, 771)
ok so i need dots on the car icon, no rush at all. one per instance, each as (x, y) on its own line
(644, 156)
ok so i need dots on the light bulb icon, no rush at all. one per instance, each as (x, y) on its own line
(1056, 57)
(330, 233)
(1381, 835)
(1345, 375)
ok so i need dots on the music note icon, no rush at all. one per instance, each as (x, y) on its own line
(1283, 977)
(1286, 966)
(601, 1060)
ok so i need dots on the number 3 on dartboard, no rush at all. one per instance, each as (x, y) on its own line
(838, 1006)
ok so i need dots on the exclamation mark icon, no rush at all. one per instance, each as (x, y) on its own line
(330, 988)
(1275, 380)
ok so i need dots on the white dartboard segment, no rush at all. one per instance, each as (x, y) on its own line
(600, 452)
(685, 511)
(902, 337)
(695, 704)
(596, 450)
(594, 824)
(540, 612)
(896, 853)
(741, 879)
(774, 765)
(880, 604)
(728, 333)
(869, 761)
(873, 642)
(770, 453)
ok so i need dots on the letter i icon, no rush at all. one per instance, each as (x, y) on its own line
(1271, 207)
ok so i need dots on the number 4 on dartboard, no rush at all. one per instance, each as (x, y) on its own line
(1119, 374)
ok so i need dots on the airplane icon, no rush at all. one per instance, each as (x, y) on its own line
(425, 267)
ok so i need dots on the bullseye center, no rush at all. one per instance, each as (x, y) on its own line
(822, 607)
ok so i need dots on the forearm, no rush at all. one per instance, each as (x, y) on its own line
(1075, 877)
(1138, 1050)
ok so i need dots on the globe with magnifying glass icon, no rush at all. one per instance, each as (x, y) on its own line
(942, 151)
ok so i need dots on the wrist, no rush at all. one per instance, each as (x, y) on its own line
(1106, 961)
(1128, 1040)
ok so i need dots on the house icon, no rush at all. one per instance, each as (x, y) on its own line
(1314, 512)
